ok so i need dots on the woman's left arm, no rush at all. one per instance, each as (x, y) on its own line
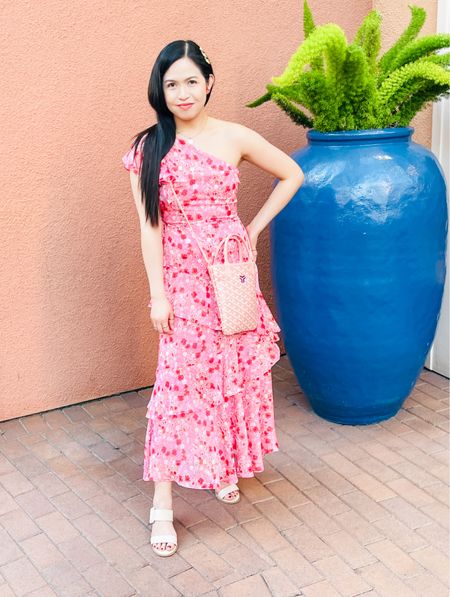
(257, 150)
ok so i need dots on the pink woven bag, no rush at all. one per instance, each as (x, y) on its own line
(234, 283)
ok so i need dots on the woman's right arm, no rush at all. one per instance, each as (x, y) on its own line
(152, 253)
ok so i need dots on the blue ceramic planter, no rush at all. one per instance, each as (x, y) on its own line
(358, 267)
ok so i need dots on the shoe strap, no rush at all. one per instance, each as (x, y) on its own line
(163, 539)
(157, 514)
(227, 489)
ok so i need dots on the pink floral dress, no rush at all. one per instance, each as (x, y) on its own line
(210, 415)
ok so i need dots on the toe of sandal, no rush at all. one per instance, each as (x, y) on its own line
(221, 493)
(169, 538)
(162, 514)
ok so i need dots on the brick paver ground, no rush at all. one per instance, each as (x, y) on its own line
(339, 511)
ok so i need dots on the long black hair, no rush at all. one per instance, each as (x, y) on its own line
(161, 136)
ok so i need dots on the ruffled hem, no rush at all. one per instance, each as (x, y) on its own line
(180, 479)
(210, 416)
(199, 367)
(221, 444)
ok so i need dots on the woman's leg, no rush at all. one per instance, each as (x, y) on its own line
(162, 498)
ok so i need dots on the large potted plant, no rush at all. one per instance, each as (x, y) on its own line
(358, 254)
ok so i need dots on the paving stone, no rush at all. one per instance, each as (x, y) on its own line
(310, 545)
(9, 549)
(287, 493)
(15, 483)
(57, 527)
(296, 567)
(394, 558)
(395, 530)
(60, 574)
(426, 585)
(18, 524)
(385, 581)
(265, 534)
(411, 516)
(280, 516)
(70, 505)
(326, 500)
(190, 583)
(339, 510)
(321, 589)
(248, 587)
(81, 553)
(341, 576)
(434, 561)
(22, 576)
(244, 561)
(34, 503)
(206, 562)
(349, 549)
(316, 519)
(213, 536)
(120, 554)
(41, 551)
(435, 535)
(279, 583)
(94, 528)
(107, 581)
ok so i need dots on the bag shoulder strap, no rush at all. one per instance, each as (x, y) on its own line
(246, 240)
(187, 220)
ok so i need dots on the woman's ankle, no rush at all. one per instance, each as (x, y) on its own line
(162, 497)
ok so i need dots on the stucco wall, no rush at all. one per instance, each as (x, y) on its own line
(75, 324)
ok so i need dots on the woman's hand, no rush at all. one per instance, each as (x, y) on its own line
(161, 315)
(253, 237)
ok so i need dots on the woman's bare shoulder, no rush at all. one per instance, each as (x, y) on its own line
(231, 128)
(242, 138)
(237, 134)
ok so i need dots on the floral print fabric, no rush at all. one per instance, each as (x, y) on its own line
(210, 415)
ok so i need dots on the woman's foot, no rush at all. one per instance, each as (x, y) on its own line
(231, 496)
(162, 528)
(162, 499)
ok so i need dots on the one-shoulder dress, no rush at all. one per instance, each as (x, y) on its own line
(210, 414)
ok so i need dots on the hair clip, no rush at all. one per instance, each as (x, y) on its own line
(204, 55)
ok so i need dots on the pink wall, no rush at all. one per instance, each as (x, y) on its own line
(75, 324)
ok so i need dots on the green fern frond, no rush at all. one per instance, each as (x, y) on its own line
(408, 80)
(357, 106)
(387, 115)
(368, 37)
(308, 28)
(293, 93)
(418, 101)
(261, 100)
(327, 40)
(294, 113)
(441, 59)
(312, 92)
(308, 21)
(335, 86)
(418, 16)
(421, 48)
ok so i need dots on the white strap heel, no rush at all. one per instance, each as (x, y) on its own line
(159, 514)
(227, 489)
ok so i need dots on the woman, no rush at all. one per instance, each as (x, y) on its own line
(210, 417)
